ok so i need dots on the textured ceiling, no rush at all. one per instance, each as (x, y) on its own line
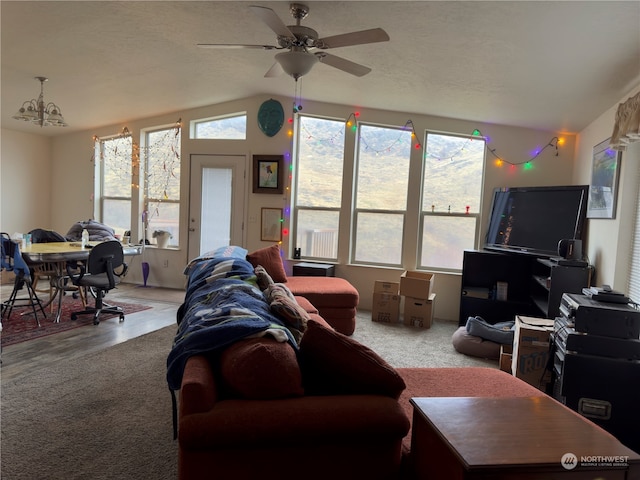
(544, 65)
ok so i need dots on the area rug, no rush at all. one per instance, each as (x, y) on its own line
(20, 328)
(105, 415)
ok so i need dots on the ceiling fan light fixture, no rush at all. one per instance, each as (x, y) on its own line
(296, 63)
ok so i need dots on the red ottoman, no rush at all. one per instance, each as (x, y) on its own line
(335, 298)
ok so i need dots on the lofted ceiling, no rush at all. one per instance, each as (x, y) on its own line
(546, 65)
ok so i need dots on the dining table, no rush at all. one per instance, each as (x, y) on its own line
(57, 254)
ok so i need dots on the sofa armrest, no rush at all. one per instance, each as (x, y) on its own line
(198, 392)
(294, 421)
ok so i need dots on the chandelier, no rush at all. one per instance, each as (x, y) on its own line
(40, 113)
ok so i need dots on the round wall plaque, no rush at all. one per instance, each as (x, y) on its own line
(270, 117)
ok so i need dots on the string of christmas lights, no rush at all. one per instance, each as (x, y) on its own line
(553, 143)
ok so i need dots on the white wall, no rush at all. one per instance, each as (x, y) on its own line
(72, 181)
(25, 181)
(609, 240)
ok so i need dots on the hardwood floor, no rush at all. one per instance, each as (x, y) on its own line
(20, 358)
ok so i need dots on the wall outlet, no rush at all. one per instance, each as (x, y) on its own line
(166, 264)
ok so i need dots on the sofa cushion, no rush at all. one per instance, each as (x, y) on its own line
(334, 364)
(270, 259)
(261, 369)
(331, 292)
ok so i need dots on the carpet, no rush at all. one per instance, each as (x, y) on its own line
(105, 415)
(18, 328)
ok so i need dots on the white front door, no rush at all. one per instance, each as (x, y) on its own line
(216, 203)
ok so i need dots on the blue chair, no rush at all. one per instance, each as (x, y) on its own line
(12, 261)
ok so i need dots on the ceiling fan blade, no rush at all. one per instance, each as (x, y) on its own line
(275, 71)
(269, 17)
(343, 64)
(373, 35)
(236, 46)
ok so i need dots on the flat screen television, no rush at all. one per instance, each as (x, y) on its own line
(532, 220)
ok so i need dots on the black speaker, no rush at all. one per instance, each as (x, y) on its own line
(570, 248)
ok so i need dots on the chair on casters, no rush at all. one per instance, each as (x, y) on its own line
(102, 272)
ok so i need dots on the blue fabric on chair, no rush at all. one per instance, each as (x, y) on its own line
(12, 261)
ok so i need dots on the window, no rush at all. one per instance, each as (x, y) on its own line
(232, 127)
(451, 196)
(114, 181)
(382, 180)
(162, 182)
(318, 192)
(446, 203)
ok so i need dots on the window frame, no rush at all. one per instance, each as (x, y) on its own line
(423, 214)
(356, 211)
(193, 125)
(99, 182)
(295, 208)
(145, 200)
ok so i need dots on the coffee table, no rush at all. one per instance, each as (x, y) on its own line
(523, 438)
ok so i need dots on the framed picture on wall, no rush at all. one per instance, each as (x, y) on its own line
(603, 191)
(267, 173)
(271, 226)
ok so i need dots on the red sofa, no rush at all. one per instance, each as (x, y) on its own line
(332, 408)
(336, 410)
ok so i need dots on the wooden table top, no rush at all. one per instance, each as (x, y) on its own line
(507, 432)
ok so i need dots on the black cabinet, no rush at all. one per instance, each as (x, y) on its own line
(497, 286)
(550, 280)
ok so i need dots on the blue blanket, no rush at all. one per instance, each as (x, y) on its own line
(222, 305)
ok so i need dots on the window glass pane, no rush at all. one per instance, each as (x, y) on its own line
(383, 168)
(215, 224)
(227, 128)
(379, 238)
(117, 214)
(165, 218)
(116, 159)
(445, 238)
(317, 233)
(453, 173)
(162, 182)
(320, 161)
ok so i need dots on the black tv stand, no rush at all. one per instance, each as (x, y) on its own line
(568, 262)
(534, 285)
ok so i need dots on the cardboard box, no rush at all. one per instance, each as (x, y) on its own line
(418, 312)
(386, 302)
(416, 284)
(531, 350)
(506, 357)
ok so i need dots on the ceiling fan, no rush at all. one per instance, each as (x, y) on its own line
(303, 45)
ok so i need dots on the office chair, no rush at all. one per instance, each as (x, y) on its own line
(12, 261)
(102, 272)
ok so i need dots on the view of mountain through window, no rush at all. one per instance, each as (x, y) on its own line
(318, 188)
(447, 210)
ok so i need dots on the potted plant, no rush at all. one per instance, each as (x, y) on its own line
(162, 237)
